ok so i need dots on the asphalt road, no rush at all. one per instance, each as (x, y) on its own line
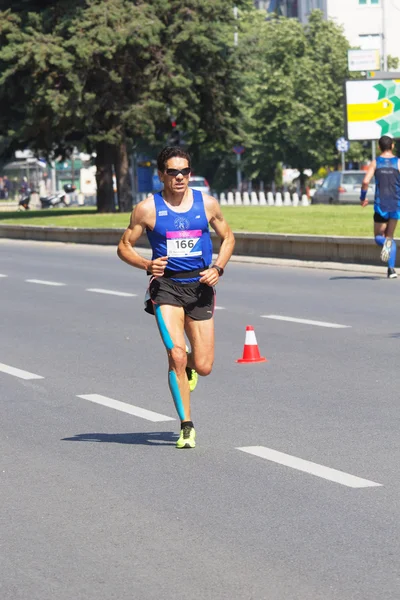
(292, 492)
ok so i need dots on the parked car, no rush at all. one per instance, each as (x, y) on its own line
(197, 182)
(342, 187)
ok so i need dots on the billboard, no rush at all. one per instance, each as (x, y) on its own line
(372, 108)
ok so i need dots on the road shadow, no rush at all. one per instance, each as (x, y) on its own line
(395, 335)
(153, 438)
(370, 277)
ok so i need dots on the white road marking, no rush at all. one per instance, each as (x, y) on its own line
(220, 308)
(306, 321)
(127, 408)
(18, 372)
(309, 467)
(113, 293)
(3, 275)
(42, 282)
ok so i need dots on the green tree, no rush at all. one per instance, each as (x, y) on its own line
(296, 102)
(101, 74)
(392, 63)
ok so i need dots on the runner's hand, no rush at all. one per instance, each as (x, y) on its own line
(210, 277)
(157, 266)
(364, 203)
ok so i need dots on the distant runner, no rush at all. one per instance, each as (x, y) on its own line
(181, 290)
(386, 169)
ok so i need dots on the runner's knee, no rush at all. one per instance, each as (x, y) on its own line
(178, 359)
(203, 367)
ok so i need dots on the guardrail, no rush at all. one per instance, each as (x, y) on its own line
(262, 199)
(302, 247)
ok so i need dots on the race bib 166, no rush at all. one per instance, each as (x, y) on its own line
(184, 243)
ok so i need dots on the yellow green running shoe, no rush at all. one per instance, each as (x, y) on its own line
(192, 375)
(187, 438)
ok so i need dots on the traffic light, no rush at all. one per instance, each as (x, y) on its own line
(175, 137)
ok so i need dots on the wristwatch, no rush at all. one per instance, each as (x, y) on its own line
(219, 269)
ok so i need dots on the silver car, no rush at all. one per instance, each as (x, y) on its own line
(199, 183)
(343, 187)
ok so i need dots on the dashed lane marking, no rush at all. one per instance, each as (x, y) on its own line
(18, 372)
(111, 292)
(1, 275)
(136, 411)
(309, 467)
(306, 321)
(42, 282)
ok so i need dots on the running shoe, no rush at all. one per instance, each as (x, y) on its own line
(192, 375)
(187, 438)
(386, 248)
(391, 273)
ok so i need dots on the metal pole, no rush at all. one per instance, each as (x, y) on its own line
(53, 178)
(72, 169)
(238, 174)
(373, 150)
(384, 54)
(343, 163)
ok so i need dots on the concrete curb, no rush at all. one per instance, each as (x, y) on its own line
(249, 246)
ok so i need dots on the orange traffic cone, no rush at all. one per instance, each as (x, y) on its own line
(251, 353)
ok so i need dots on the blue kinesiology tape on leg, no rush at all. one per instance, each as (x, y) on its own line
(176, 394)
(172, 378)
(380, 240)
(392, 257)
(166, 338)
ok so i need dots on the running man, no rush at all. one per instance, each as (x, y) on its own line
(386, 169)
(181, 291)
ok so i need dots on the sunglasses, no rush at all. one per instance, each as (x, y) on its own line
(175, 172)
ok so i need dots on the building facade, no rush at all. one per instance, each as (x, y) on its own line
(291, 8)
(367, 24)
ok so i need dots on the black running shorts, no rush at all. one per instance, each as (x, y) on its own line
(197, 299)
(379, 219)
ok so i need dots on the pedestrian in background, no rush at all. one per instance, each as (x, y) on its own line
(386, 169)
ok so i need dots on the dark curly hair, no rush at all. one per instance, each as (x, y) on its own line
(170, 152)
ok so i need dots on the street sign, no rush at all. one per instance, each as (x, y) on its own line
(342, 145)
(372, 108)
(238, 149)
(363, 60)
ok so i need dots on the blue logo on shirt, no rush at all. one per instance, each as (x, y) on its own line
(181, 223)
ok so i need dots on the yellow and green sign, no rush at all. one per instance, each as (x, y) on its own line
(372, 109)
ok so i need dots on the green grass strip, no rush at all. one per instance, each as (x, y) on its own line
(350, 221)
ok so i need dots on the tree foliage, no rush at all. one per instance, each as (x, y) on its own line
(296, 100)
(107, 72)
(110, 75)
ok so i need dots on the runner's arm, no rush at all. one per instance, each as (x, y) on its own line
(224, 232)
(126, 247)
(365, 184)
(369, 175)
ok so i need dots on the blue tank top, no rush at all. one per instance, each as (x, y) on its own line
(387, 184)
(183, 237)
